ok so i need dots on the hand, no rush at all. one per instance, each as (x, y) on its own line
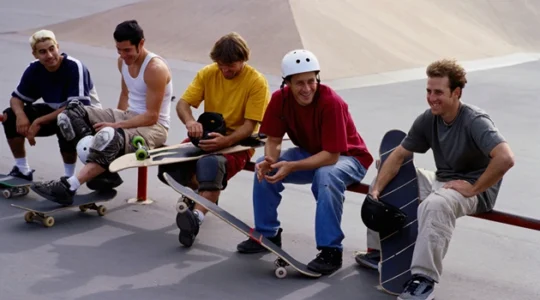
(217, 143)
(32, 131)
(463, 187)
(263, 168)
(284, 168)
(101, 125)
(22, 125)
(375, 194)
(194, 128)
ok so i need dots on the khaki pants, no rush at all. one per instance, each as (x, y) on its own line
(155, 135)
(437, 214)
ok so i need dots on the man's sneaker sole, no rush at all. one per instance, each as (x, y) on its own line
(366, 263)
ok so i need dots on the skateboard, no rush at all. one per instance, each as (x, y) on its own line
(14, 187)
(402, 191)
(143, 157)
(40, 210)
(283, 259)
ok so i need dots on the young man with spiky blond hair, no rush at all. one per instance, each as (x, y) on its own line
(57, 78)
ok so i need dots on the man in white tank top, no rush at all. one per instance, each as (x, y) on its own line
(102, 135)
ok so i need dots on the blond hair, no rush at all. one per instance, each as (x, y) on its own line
(41, 36)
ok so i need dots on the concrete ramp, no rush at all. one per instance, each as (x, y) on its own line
(351, 37)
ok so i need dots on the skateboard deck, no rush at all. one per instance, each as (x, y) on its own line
(178, 153)
(283, 259)
(13, 186)
(402, 191)
(40, 210)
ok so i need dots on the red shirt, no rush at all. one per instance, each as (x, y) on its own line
(325, 124)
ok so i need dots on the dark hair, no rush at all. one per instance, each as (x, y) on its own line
(230, 48)
(129, 31)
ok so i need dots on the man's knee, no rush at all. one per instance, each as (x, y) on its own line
(10, 123)
(211, 173)
(326, 176)
(74, 122)
(106, 145)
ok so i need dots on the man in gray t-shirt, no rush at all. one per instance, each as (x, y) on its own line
(471, 157)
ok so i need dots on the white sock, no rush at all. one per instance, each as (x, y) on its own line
(200, 215)
(74, 183)
(23, 166)
(69, 169)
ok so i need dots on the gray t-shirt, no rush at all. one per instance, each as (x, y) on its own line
(461, 149)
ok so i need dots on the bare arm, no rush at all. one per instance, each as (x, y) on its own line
(123, 100)
(17, 105)
(502, 160)
(156, 77)
(243, 132)
(183, 109)
(321, 159)
(272, 148)
(50, 117)
(390, 168)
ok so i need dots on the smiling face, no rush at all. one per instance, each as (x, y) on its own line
(440, 98)
(129, 52)
(303, 87)
(47, 52)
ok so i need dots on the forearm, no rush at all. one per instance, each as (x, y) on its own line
(272, 148)
(142, 120)
(493, 173)
(389, 170)
(183, 109)
(243, 132)
(46, 119)
(17, 106)
(321, 159)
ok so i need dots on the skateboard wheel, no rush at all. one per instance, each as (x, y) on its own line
(138, 140)
(6, 194)
(281, 272)
(141, 154)
(25, 191)
(101, 210)
(48, 221)
(83, 208)
(182, 207)
(29, 217)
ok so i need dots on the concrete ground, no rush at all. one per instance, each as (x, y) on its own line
(133, 251)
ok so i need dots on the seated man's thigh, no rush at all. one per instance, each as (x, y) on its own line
(32, 112)
(154, 136)
(98, 115)
(183, 173)
(211, 172)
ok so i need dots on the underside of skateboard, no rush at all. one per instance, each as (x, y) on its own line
(280, 265)
(48, 221)
(14, 191)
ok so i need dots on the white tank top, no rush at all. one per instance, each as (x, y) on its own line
(137, 92)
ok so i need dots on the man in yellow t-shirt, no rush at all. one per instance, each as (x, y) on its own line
(234, 89)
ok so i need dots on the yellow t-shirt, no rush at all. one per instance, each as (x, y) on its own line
(243, 97)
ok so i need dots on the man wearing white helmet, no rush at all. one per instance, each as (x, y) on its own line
(330, 155)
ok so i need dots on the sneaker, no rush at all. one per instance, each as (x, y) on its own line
(105, 181)
(55, 190)
(15, 172)
(369, 259)
(189, 224)
(418, 288)
(251, 246)
(327, 261)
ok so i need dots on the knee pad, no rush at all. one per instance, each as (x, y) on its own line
(73, 122)
(106, 145)
(83, 148)
(210, 172)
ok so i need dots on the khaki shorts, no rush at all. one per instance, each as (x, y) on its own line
(155, 135)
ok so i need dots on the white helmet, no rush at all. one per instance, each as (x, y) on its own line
(83, 147)
(299, 61)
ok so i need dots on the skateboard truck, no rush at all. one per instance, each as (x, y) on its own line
(48, 221)
(15, 191)
(142, 151)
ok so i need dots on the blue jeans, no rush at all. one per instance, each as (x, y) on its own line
(328, 185)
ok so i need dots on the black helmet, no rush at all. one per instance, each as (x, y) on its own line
(382, 217)
(211, 122)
